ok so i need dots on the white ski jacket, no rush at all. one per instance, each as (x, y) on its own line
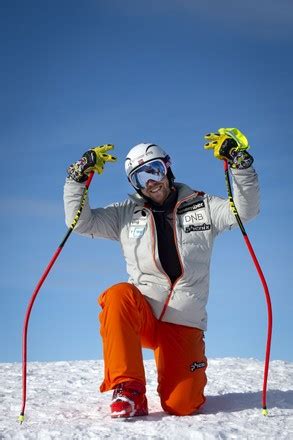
(198, 218)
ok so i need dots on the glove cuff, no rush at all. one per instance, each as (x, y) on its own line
(76, 171)
(240, 160)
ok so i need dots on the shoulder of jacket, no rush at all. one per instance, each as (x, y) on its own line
(200, 193)
(127, 203)
(185, 191)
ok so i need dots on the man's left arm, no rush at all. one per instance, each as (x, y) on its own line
(246, 192)
(230, 144)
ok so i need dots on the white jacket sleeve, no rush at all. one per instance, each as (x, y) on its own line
(246, 197)
(100, 222)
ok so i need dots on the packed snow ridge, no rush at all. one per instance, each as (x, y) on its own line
(63, 402)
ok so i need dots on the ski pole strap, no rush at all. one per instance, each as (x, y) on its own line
(264, 284)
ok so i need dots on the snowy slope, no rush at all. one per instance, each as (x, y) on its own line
(64, 403)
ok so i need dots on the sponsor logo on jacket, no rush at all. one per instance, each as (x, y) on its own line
(138, 224)
(193, 217)
(191, 207)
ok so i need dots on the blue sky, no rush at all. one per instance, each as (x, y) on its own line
(79, 74)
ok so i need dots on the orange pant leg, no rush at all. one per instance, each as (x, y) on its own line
(126, 319)
(181, 364)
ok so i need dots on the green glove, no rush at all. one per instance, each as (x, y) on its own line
(230, 144)
(92, 160)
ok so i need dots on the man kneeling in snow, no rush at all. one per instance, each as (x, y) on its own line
(166, 231)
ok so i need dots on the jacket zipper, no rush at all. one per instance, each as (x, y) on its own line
(154, 248)
(172, 286)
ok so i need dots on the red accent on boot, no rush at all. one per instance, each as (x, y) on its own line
(129, 400)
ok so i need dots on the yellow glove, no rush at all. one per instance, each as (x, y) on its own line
(230, 144)
(101, 158)
(92, 160)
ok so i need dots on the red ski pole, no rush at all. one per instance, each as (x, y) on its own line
(265, 287)
(36, 291)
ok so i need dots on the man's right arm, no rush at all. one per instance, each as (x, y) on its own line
(100, 222)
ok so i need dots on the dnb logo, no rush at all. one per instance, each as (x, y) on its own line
(195, 221)
(194, 218)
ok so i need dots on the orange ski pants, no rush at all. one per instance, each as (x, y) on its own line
(127, 325)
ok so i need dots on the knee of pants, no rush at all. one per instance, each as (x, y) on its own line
(118, 293)
(184, 399)
(182, 407)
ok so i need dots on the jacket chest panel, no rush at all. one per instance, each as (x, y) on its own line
(137, 239)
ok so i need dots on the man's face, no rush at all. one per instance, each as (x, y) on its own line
(157, 191)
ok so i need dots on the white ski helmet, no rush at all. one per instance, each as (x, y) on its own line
(142, 153)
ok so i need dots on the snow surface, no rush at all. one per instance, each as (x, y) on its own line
(64, 403)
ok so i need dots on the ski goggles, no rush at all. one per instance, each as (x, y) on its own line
(154, 170)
